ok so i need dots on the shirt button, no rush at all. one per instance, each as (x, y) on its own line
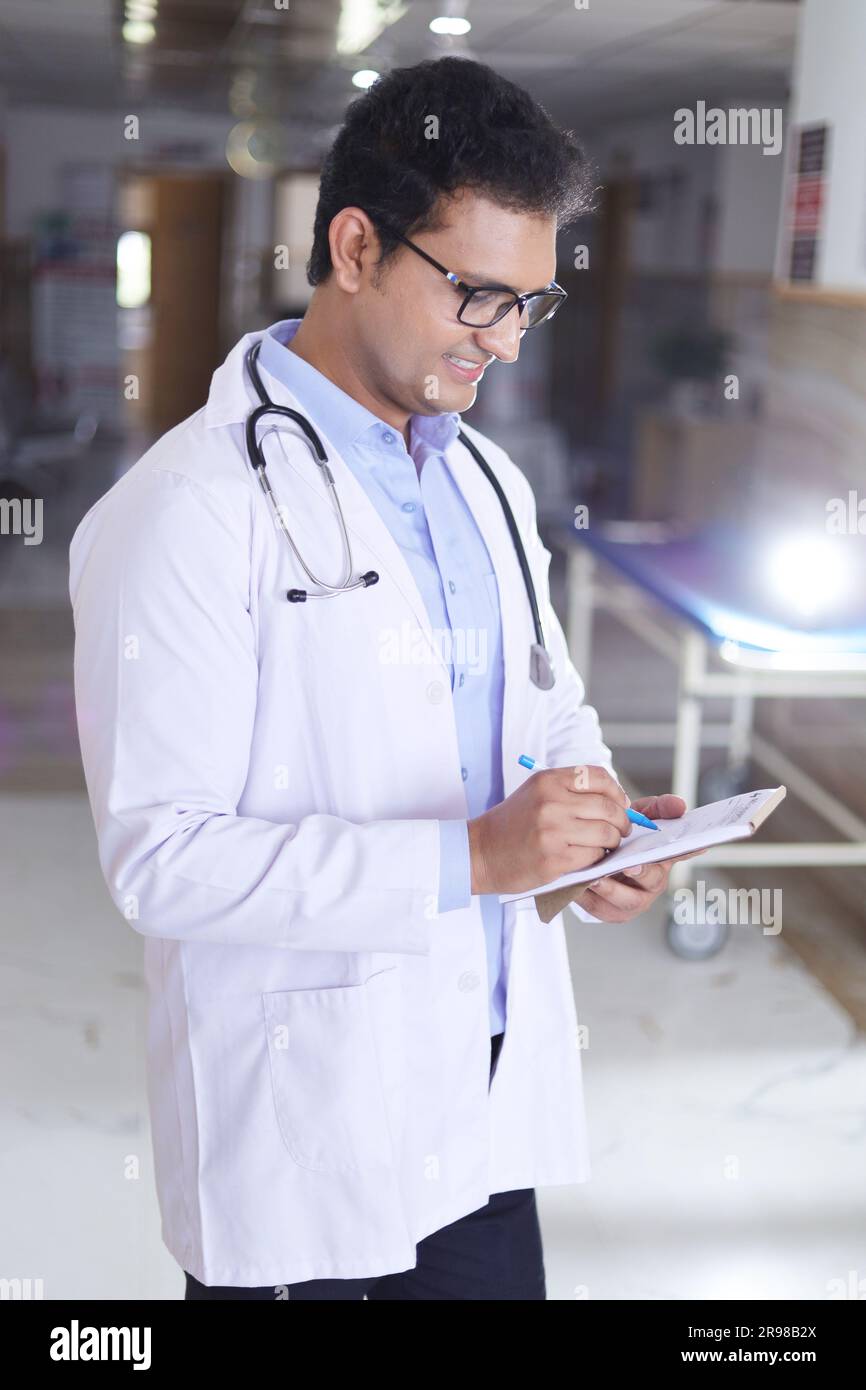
(462, 677)
(408, 506)
(388, 437)
(452, 586)
(435, 692)
(470, 979)
(464, 773)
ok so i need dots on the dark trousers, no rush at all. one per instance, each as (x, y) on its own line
(494, 1253)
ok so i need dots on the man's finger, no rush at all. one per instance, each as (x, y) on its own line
(596, 779)
(603, 909)
(650, 877)
(665, 807)
(595, 807)
(619, 895)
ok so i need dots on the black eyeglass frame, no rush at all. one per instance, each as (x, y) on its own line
(521, 300)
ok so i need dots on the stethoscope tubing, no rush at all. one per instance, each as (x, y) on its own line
(256, 457)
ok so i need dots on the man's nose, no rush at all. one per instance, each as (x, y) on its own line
(502, 339)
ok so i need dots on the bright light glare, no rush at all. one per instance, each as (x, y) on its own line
(138, 31)
(133, 269)
(446, 25)
(140, 9)
(807, 571)
(364, 78)
(797, 658)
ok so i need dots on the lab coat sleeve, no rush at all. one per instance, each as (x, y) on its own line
(166, 676)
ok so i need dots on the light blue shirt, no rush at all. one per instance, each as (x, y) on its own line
(429, 519)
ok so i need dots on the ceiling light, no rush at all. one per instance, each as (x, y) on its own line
(445, 24)
(365, 78)
(138, 31)
(362, 21)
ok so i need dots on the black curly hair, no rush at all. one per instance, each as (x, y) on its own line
(492, 137)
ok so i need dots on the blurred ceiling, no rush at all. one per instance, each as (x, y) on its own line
(281, 57)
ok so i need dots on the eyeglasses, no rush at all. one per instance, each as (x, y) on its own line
(483, 306)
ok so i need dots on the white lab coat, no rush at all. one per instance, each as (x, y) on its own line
(265, 784)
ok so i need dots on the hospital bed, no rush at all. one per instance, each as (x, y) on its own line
(746, 612)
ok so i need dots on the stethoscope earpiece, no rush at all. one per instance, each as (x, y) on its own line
(301, 595)
(541, 671)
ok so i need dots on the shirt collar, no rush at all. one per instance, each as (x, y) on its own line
(343, 419)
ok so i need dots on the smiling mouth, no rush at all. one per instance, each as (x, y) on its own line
(465, 367)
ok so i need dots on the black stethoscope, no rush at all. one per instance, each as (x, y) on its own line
(541, 671)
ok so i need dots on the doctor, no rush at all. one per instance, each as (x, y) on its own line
(308, 808)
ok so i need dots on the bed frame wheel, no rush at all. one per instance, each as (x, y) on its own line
(696, 940)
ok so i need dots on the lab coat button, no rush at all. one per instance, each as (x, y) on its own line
(470, 979)
(435, 692)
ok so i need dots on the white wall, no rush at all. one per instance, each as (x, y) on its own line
(746, 184)
(829, 82)
(40, 140)
(750, 195)
(667, 236)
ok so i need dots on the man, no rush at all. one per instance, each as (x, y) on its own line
(309, 809)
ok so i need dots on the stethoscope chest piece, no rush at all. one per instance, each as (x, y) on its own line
(541, 671)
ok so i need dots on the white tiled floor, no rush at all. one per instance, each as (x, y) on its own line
(726, 1104)
(74, 1109)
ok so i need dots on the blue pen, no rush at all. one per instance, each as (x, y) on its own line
(634, 816)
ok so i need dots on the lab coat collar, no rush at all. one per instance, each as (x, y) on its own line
(232, 395)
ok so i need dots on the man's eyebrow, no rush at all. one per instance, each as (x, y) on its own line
(484, 282)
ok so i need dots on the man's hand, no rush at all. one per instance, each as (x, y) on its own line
(560, 820)
(623, 896)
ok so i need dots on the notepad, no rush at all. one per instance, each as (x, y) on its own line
(717, 823)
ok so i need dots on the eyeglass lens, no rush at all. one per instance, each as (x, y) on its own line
(489, 306)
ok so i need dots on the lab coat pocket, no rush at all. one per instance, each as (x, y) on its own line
(326, 1078)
